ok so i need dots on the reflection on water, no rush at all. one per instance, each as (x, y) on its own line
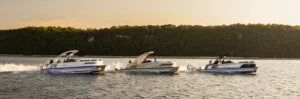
(230, 74)
(99, 76)
(275, 79)
(153, 74)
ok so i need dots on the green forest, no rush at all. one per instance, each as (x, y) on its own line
(245, 40)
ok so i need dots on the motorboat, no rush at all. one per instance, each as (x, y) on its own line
(142, 65)
(222, 66)
(65, 64)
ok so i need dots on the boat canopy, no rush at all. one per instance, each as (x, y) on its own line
(67, 54)
(222, 58)
(142, 57)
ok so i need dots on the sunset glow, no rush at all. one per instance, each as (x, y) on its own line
(106, 13)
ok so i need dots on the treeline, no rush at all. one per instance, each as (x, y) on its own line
(245, 40)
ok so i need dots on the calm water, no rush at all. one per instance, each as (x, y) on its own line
(275, 79)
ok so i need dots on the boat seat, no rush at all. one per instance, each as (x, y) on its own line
(70, 60)
(224, 62)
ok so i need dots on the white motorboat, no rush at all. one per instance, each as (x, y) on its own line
(222, 66)
(65, 64)
(142, 65)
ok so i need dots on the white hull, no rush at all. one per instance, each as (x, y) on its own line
(152, 70)
(78, 69)
(65, 64)
(231, 70)
(241, 67)
(142, 65)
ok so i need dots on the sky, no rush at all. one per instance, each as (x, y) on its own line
(107, 13)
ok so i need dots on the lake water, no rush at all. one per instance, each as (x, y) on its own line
(275, 79)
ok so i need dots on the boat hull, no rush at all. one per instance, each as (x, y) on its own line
(151, 70)
(78, 69)
(231, 70)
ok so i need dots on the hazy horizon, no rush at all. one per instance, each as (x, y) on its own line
(107, 13)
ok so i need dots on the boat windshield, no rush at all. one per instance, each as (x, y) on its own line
(142, 58)
(221, 59)
(67, 55)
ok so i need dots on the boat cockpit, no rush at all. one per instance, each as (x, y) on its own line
(64, 57)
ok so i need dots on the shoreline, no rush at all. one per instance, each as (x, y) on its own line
(163, 57)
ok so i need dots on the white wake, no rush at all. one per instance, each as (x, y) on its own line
(114, 66)
(18, 68)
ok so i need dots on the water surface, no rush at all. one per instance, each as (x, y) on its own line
(275, 79)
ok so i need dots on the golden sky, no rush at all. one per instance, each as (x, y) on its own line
(106, 13)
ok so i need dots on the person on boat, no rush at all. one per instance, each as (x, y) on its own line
(155, 61)
(69, 59)
(223, 60)
(216, 61)
(58, 61)
(129, 61)
(211, 62)
(51, 61)
(146, 61)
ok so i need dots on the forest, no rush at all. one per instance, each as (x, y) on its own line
(245, 40)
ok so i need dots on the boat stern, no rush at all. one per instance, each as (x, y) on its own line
(100, 68)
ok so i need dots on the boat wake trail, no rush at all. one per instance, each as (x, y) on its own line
(189, 68)
(182, 69)
(114, 66)
(14, 68)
